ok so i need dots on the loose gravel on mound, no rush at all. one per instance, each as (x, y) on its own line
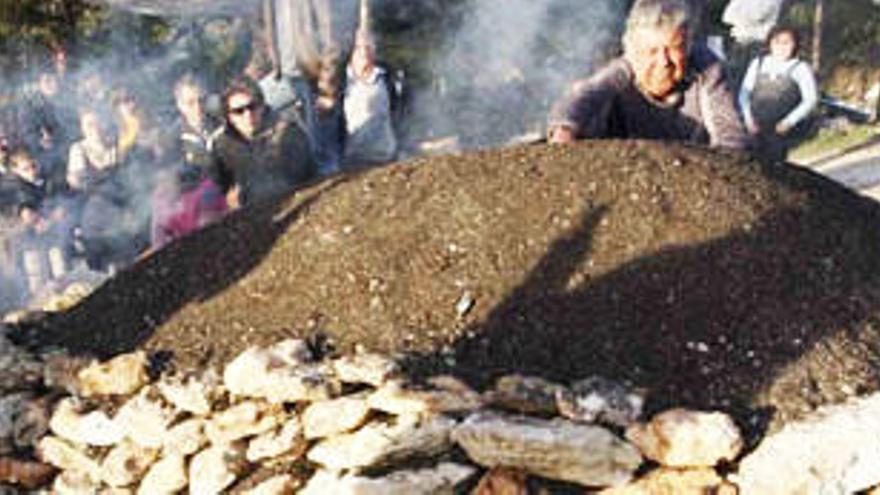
(702, 277)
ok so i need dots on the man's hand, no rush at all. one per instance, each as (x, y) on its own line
(782, 128)
(752, 128)
(233, 200)
(561, 134)
(325, 103)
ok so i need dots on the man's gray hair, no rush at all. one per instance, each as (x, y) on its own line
(660, 15)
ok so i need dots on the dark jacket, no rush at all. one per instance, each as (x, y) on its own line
(276, 160)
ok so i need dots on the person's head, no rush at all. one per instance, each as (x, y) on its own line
(95, 127)
(125, 103)
(24, 165)
(656, 43)
(60, 59)
(363, 56)
(189, 99)
(29, 214)
(47, 83)
(783, 42)
(4, 149)
(243, 106)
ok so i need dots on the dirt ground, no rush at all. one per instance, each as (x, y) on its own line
(700, 277)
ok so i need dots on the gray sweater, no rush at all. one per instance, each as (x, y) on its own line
(610, 105)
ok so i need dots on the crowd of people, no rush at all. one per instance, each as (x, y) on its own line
(89, 176)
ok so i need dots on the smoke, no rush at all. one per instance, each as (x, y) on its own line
(214, 47)
(510, 59)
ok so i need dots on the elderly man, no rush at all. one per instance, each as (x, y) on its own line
(663, 87)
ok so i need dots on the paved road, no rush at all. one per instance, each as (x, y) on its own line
(859, 170)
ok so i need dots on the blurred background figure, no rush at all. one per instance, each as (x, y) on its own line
(185, 198)
(777, 96)
(368, 103)
(310, 41)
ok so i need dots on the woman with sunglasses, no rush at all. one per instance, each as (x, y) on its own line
(258, 155)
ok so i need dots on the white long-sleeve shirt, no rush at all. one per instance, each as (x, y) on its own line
(800, 73)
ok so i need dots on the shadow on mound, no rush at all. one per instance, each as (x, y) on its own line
(781, 314)
(134, 304)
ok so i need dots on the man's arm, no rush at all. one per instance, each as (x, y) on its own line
(745, 95)
(583, 110)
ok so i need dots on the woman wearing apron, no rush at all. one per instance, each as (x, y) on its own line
(778, 93)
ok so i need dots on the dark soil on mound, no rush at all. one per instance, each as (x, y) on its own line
(700, 276)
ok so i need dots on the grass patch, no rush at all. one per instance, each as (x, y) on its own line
(829, 141)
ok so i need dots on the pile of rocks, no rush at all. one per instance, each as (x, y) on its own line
(279, 420)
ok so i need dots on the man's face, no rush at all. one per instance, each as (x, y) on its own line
(245, 114)
(189, 103)
(659, 60)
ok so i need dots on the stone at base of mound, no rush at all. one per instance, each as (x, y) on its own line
(558, 449)
(833, 451)
(441, 479)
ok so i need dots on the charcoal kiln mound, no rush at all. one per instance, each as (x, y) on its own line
(706, 279)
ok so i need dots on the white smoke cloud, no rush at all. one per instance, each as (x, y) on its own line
(509, 60)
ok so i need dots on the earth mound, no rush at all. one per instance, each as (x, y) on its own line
(702, 277)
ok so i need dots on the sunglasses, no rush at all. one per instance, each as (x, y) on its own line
(250, 107)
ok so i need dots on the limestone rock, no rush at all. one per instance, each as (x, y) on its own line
(439, 480)
(381, 443)
(599, 400)
(122, 375)
(126, 463)
(283, 484)
(165, 477)
(371, 369)
(333, 417)
(191, 394)
(445, 395)
(288, 439)
(836, 450)
(215, 468)
(241, 421)
(186, 438)
(558, 449)
(682, 438)
(64, 456)
(145, 420)
(669, 481)
(291, 352)
(75, 483)
(525, 394)
(94, 428)
(502, 481)
(259, 373)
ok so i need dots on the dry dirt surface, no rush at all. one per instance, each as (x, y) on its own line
(698, 276)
